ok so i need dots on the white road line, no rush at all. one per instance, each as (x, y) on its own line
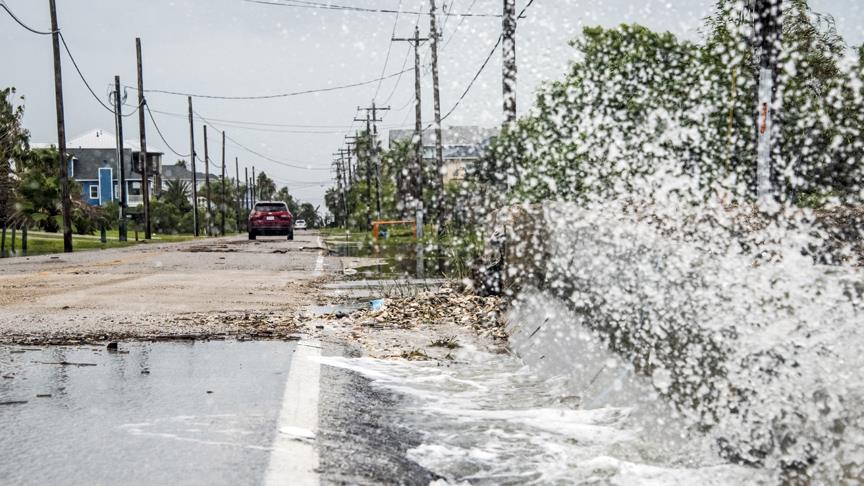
(294, 458)
(319, 263)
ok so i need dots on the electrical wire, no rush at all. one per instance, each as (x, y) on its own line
(273, 96)
(81, 75)
(458, 26)
(389, 50)
(253, 123)
(156, 125)
(137, 107)
(271, 159)
(350, 8)
(22, 24)
(482, 67)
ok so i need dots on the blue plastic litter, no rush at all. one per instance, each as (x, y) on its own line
(377, 305)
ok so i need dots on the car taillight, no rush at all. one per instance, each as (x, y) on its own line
(285, 216)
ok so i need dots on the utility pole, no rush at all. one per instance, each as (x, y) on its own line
(237, 195)
(222, 202)
(368, 157)
(768, 31)
(142, 154)
(246, 195)
(208, 216)
(340, 185)
(66, 200)
(416, 41)
(254, 183)
(509, 63)
(439, 143)
(121, 163)
(351, 141)
(192, 156)
(373, 149)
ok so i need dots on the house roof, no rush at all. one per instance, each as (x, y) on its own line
(458, 142)
(171, 172)
(96, 139)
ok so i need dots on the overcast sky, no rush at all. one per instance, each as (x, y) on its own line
(237, 48)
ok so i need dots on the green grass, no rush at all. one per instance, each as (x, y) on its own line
(40, 243)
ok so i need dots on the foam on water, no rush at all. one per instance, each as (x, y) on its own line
(489, 419)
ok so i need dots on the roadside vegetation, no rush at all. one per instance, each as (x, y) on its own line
(637, 105)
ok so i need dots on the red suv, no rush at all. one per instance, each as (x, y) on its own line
(271, 218)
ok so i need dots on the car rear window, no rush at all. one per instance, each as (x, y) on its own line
(271, 207)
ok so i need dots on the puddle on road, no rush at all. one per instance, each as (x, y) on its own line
(153, 413)
(486, 419)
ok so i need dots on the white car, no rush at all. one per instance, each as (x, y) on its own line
(300, 224)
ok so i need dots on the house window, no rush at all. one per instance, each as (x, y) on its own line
(94, 191)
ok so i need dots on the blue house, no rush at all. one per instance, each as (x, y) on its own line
(94, 166)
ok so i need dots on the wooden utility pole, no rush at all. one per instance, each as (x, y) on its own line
(768, 31)
(222, 202)
(439, 142)
(192, 156)
(121, 163)
(509, 63)
(368, 170)
(65, 199)
(350, 141)
(373, 151)
(142, 154)
(254, 183)
(416, 41)
(208, 216)
(237, 195)
(341, 186)
(246, 195)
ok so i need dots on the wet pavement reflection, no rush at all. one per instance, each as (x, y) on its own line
(147, 413)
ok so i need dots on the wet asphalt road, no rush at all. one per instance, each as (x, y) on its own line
(185, 413)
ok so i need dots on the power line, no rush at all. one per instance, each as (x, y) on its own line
(254, 123)
(483, 66)
(81, 75)
(137, 107)
(279, 95)
(156, 125)
(389, 50)
(22, 24)
(68, 52)
(399, 79)
(271, 159)
(350, 8)
(458, 26)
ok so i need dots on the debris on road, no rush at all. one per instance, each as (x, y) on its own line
(445, 306)
(65, 363)
(14, 402)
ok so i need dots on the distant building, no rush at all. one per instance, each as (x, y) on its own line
(181, 173)
(94, 167)
(463, 146)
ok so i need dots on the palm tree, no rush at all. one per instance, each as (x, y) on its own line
(177, 193)
(266, 188)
